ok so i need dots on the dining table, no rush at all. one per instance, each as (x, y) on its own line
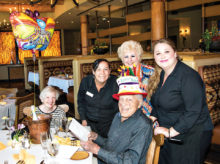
(34, 77)
(7, 105)
(61, 82)
(6, 155)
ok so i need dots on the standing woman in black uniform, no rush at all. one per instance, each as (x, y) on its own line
(179, 105)
(95, 103)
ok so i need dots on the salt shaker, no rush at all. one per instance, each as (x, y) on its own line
(26, 142)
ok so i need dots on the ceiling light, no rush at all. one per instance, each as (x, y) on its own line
(72, 21)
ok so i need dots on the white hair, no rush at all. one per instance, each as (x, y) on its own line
(140, 99)
(47, 89)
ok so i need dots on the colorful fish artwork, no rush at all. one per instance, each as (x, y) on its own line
(31, 32)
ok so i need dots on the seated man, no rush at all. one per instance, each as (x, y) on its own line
(130, 132)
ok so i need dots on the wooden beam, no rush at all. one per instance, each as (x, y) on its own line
(179, 4)
(212, 11)
(115, 30)
(120, 40)
(111, 31)
(138, 16)
(19, 8)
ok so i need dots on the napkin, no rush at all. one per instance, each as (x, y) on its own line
(2, 146)
(3, 103)
(78, 130)
(66, 151)
(26, 157)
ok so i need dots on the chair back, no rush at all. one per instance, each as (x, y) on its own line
(21, 103)
(153, 152)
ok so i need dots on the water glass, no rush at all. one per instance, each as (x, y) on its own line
(44, 142)
(9, 125)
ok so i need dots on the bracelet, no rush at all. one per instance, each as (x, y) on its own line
(154, 121)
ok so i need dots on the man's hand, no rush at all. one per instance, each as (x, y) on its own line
(90, 146)
(92, 136)
(84, 123)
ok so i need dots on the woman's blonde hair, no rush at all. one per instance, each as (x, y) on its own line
(130, 45)
(48, 89)
(155, 78)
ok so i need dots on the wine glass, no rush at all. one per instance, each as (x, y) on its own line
(44, 142)
(52, 148)
(9, 125)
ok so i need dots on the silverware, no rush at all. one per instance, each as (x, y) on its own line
(20, 162)
(5, 162)
(42, 162)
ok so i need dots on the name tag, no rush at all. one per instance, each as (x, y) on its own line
(89, 94)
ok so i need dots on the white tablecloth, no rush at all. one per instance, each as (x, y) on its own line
(36, 150)
(62, 83)
(34, 77)
(8, 110)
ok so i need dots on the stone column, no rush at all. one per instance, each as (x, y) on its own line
(157, 19)
(84, 34)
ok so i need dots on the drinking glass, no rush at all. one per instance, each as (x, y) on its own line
(52, 148)
(44, 142)
(9, 125)
(57, 125)
(65, 125)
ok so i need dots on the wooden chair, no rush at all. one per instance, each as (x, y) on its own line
(21, 103)
(153, 152)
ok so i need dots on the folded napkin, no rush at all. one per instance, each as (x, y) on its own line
(26, 157)
(2, 146)
(66, 151)
(3, 103)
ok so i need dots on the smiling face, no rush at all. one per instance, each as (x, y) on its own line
(102, 72)
(128, 105)
(165, 56)
(49, 99)
(130, 58)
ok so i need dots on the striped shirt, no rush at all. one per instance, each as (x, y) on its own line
(58, 113)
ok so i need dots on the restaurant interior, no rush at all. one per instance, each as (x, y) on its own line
(86, 30)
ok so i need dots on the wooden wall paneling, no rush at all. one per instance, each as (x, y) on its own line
(138, 16)
(212, 11)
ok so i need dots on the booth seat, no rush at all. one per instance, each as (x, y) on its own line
(211, 77)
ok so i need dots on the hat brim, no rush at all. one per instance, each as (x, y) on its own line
(116, 96)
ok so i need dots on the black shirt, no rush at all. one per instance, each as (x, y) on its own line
(181, 101)
(97, 106)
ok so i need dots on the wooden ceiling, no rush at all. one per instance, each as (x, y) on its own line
(27, 2)
(42, 6)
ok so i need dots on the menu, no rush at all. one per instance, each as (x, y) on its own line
(78, 130)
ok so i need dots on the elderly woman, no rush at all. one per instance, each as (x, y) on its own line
(179, 105)
(95, 103)
(48, 97)
(130, 133)
(130, 53)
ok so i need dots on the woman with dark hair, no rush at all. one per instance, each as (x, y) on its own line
(95, 103)
(179, 105)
